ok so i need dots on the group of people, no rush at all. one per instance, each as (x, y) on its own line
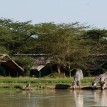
(101, 79)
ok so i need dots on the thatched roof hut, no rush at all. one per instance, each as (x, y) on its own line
(9, 67)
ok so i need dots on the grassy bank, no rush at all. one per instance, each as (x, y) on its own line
(85, 81)
(39, 83)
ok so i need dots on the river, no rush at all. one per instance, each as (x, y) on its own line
(54, 98)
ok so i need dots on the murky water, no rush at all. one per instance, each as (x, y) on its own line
(54, 98)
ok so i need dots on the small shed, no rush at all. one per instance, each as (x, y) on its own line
(9, 67)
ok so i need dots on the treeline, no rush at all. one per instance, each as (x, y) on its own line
(70, 45)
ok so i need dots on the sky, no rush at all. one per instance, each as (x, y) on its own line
(87, 12)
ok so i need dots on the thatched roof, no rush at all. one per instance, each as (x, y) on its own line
(10, 63)
(4, 57)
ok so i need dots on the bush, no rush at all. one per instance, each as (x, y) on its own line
(25, 62)
(3, 50)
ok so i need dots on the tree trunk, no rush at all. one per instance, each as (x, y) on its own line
(70, 74)
(58, 69)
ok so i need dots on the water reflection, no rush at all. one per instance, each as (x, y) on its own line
(54, 98)
(100, 98)
(78, 97)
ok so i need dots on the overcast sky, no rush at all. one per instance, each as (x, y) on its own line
(90, 12)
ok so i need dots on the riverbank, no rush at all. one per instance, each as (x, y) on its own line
(9, 83)
(85, 81)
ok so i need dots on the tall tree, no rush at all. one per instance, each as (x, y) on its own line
(62, 42)
(15, 35)
(96, 41)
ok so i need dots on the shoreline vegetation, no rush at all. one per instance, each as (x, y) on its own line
(9, 83)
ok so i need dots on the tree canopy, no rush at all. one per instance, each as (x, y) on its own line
(68, 44)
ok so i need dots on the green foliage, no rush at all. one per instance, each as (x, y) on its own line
(68, 44)
(96, 40)
(3, 50)
(25, 62)
(14, 35)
